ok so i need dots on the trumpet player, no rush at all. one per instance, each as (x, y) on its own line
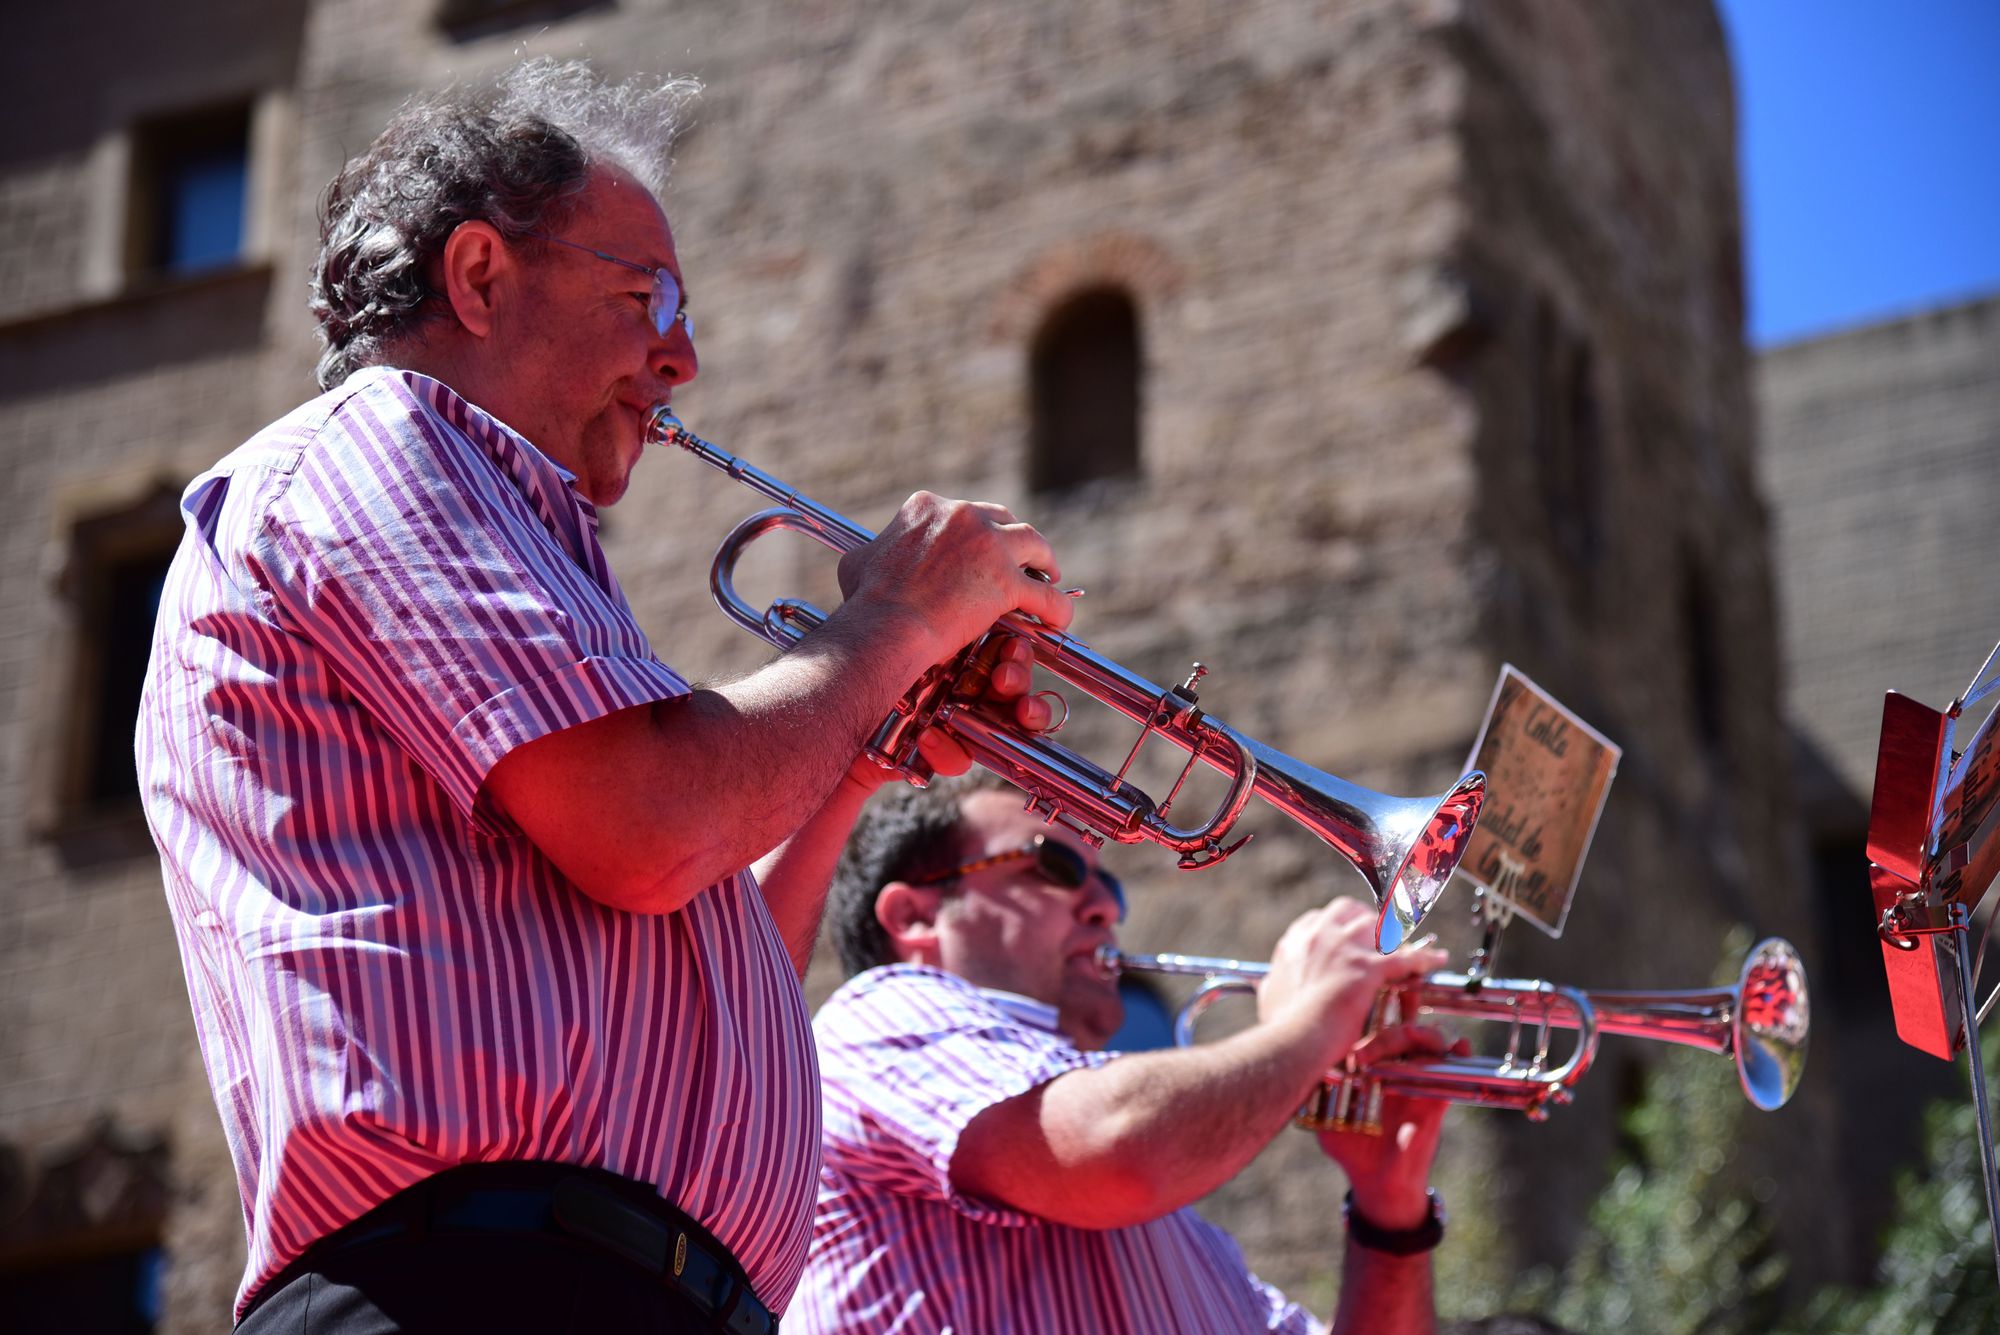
(988, 1167)
(504, 1030)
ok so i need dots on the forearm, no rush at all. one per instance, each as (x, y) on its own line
(741, 768)
(645, 808)
(794, 876)
(1381, 1294)
(1143, 1135)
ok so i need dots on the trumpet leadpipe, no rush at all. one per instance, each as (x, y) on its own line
(1115, 961)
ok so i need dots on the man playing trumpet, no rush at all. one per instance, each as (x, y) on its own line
(504, 1030)
(987, 1167)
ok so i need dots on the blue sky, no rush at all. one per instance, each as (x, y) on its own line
(1871, 157)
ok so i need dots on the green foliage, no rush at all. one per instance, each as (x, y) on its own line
(1936, 1276)
(1672, 1245)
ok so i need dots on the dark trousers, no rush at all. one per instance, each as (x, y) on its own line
(429, 1263)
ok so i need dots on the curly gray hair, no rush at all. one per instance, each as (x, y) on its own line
(514, 153)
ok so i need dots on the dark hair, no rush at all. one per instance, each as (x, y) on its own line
(903, 833)
(515, 154)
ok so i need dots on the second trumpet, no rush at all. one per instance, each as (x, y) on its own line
(1762, 1022)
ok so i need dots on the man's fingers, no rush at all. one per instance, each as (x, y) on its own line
(1016, 649)
(956, 561)
(1046, 603)
(1347, 908)
(1410, 963)
(1034, 713)
(1030, 550)
(1011, 678)
(942, 753)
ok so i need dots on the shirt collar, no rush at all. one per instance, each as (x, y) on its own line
(1026, 1010)
(539, 478)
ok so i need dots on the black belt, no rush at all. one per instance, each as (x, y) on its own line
(609, 1212)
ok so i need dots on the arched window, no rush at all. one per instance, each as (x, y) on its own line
(1084, 379)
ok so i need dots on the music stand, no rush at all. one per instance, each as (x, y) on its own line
(1932, 855)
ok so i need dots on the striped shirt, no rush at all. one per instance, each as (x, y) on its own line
(908, 1057)
(376, 598)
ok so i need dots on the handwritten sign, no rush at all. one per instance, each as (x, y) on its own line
(1547, 773)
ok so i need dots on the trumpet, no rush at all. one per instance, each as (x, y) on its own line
(1762, 1022)
(1406, 848)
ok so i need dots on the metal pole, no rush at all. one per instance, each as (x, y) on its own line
(1961, 938)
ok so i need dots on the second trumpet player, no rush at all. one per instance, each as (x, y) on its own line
(988, 1166)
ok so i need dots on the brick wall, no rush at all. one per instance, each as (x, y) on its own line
(1882, 457)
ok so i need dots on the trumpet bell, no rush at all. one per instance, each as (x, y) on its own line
(1405, 847)
(1772, 1023)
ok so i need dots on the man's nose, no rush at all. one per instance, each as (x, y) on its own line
(1098, 906)
(675, 360)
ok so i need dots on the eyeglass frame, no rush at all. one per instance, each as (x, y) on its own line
(1035, 849)
(662, 277)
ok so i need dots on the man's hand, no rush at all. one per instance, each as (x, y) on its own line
(1389, 1169)
(944, 571)
(1326, 968)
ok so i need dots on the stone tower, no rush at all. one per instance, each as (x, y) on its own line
(1404, 336)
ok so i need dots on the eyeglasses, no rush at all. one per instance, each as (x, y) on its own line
(665, 308)
(1055, 862)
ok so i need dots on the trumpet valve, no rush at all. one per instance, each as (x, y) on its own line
(1343, 1104)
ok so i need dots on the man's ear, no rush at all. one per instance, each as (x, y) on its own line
(908, 914)
(475, 260)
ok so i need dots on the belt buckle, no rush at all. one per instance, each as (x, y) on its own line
(662, 1250)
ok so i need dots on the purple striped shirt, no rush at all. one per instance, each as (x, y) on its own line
(377, 598)
(908, 1057)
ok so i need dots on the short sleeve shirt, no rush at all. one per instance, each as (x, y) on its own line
(908, 1057)
(375, 599)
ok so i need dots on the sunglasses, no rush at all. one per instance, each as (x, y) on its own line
(1055, 862)
(665, 308)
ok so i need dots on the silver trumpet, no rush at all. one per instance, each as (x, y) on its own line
(1406, 848)
(1763, 1022)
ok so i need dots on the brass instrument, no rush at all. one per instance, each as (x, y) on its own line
(1406, 848)
(1762, 1022)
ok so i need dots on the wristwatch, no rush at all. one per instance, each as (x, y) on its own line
(1396, 1242)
